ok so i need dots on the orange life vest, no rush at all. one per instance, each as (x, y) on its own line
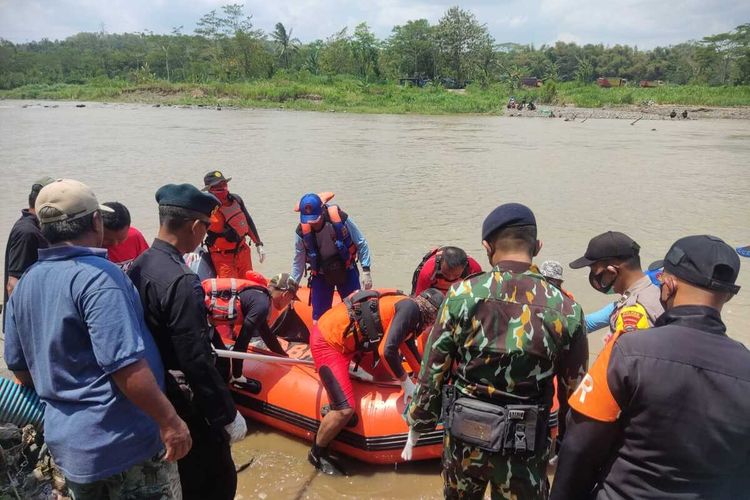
(223, 299)
(359, 323)
(234, 217)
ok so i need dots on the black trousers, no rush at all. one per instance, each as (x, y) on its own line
(207, 471)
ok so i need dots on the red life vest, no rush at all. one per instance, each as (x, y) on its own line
(223, 299)
(438, 253)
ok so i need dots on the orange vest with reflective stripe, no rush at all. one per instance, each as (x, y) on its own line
(223, 299)
(233, 216)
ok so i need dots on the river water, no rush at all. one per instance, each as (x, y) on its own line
(410, 183)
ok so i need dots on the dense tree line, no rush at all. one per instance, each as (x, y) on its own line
(227, 47)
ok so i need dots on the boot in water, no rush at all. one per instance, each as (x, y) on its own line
(319, 458)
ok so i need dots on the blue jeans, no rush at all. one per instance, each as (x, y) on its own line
(321, 293)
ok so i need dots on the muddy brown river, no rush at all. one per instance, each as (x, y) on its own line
(410, 183)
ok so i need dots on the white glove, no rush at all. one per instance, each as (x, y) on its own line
(236, 429)
(410, 442)
(366, 280)
(408, 387)
(261, 253)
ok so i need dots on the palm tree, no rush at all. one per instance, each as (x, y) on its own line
(286, 44)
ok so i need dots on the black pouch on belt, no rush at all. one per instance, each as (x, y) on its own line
(478, 423)
(526, 425)
(334, 271)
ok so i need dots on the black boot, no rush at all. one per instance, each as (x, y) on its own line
(320, 459)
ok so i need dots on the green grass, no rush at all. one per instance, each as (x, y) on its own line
(351, 95)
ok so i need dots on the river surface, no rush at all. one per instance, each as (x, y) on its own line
(410, 183)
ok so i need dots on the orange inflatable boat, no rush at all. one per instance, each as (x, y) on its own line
(288, 395)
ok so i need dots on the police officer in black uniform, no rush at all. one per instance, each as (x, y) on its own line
(664, 412)
(175, 312)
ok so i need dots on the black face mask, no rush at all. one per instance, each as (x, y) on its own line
(599, 284)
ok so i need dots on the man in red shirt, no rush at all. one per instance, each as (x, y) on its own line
(123, 242)
(442, 267)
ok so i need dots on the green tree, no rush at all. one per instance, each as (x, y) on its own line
(460, 38)
(365, 49)
(411, 49)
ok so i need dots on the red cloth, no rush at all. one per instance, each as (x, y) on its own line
(424, 281)
(126, 252)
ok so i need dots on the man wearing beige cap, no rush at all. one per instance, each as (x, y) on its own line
(75, 332)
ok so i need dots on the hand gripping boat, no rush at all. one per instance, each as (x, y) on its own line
(288, 395)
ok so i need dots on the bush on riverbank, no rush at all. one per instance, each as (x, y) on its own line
(309, 92)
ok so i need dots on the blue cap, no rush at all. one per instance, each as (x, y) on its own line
(310, 208)
(187, 196)
(507, 215)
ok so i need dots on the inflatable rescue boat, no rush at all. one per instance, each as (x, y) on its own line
(287, 394)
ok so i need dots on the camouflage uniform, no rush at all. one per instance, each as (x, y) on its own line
(498, 336)
(153, 479)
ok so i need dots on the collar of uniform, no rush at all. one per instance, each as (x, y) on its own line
(166, 247)
(636, 287)
(27, 213)
(65, 252)
(702, 318)
(512, 266)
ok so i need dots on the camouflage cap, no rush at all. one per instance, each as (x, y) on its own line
(551, 269)
(282, 282)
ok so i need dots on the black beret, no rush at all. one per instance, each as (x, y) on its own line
(187, 196)
(507, 215)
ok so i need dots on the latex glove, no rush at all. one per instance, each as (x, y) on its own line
(236, 429)
(408, 387)
(261, 253)
(366, 280)
(410, 442)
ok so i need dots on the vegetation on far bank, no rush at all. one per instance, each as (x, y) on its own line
(308, 92)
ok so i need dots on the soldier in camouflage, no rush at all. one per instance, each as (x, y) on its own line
(500, 337)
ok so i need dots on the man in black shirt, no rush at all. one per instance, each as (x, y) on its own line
(175, 312)
(664, 412)
(24, 240)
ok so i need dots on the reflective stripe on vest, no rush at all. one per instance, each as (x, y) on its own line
(223, 298)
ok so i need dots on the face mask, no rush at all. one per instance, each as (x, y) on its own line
(221, 194)
(599, 284)
(664, 300)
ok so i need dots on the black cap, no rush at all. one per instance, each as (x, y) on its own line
(433, 296)
(187, 196)
(213, 178)
(610, 245)
(507, 215)
(705, 261)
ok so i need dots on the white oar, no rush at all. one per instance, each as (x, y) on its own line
(263, 357)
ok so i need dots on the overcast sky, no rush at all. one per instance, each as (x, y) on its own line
(645, 23)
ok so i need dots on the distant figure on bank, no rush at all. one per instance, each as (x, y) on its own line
(230, 227)
(123, 242)
(329, 243)
(441, 267)
(664, 412)
(75, 332)
(175, 311)
(24, 242)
